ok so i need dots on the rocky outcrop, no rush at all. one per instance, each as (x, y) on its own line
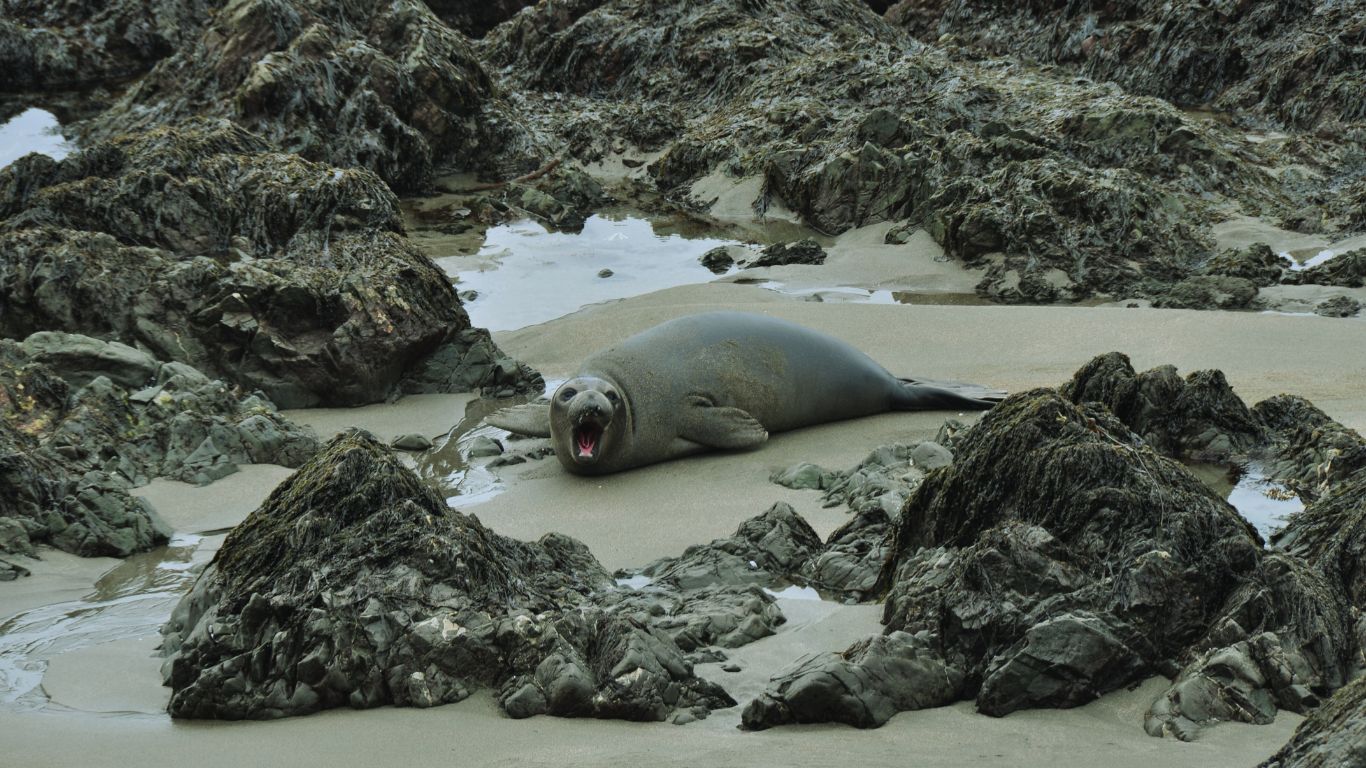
(1335, 734)
(1197, 417)
(386, 88)
(1308, 450)
(779, 254)
(85, 420)
(355, 585)
(1283, 61)
(256, 267)
(76, 44)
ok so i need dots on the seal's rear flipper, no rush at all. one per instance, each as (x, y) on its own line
(724, 428)
(926, 394)
(532, 419)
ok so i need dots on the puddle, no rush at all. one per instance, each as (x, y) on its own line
(33, 130)
(525, 274)
(847, 294)
(466, 480)
(1297, 265)
(635, 582)
(795, 592)
(131, 600)
(1264, 502)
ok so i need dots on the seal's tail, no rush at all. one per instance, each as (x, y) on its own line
(929, 394)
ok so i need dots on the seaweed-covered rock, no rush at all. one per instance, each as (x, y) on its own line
(1055, 510)
(1284, 61)
(1334, 735)
(85, 420)
(388, 87)
(1330, 535)
(1196, 417)
(1206, 292)
(1347, 270)
(1256, 263)
(476, 19)
(862, 686)
(355, 585)
(767, 550)
(259, 268)
(79, 43)
(1308, 449)
(800, 252)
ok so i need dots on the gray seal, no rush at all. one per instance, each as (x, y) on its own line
(717, 381)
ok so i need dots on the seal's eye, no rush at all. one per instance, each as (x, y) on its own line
(568, 394)
(612, 396)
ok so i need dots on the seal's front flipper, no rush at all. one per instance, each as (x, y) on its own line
(532, 419)
(720, 427)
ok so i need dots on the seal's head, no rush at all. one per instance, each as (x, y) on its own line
(589, 419)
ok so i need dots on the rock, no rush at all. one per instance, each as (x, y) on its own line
(1207, 292)
(862, 686)
(853, 556)
(389, 89)
(804, 475)
(255, 267)
(12, 571)
(1346, 270)
(483, 446)
(1338, 306)
(71, 446)
(1308, 451)
(766, 550)
(779, 254)
(1335, 734)
(411, 442)
(476, 19)
(355, 585)
(605, 273)
(1196, 417)
(718, 260)
(1330, 535)
(928, 455)
(1256, 263)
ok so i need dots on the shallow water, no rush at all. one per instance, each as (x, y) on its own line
(525, 274)
(847, 294)
(33, 130)
(1265, 503)
(131, 600)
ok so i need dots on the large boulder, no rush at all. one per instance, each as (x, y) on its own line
(263, 269)
(1334, 735)
(355, 585)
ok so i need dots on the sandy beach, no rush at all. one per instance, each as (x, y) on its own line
(105, 698)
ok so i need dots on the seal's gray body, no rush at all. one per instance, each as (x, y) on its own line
(724, 380)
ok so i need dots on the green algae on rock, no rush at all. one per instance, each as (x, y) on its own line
(1334, 735)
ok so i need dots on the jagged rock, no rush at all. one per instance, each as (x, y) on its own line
(727, 616)
(1049, 510)
(259, 268)
(1334, 735)
(1207, 292)
(718, 260)
(355, 585)
(853, 556)
(1330, 535)
(804, 475)
(72, 441)
(1017, 286)
(862, 686)
(387, 88)
(77, 44)
(1256, 263)
(766, 550)
(1196, 417)
(1310, 451)
(476, 19)
(1271, 59)
(800, 252)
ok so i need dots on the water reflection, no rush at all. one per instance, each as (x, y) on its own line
(33, 130)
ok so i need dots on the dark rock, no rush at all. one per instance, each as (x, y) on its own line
(1309, 451)
(259, 268)
(411, 442)
(1257, 263)
(697, 618)
(1346, 270)
(1330, 535)
(779, 254)
(1196, 417)
(605, 273)
(1018, 285)
(355, 585)
(476, 19)
(853, 556)
(1207, 292)
(718, 260)
(766, 550)
(72, 442)
(1338, 306)
(387, 88)
(1334, 735)
(862, 686)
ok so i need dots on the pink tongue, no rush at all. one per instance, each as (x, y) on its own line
(586, 442)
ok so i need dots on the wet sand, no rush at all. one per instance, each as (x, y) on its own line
(106, 698)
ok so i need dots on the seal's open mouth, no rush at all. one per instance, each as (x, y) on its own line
(587, 438)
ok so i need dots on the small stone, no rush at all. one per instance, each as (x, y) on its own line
(412, 442)
(800, 476)
(928, 455)
(732, 667)
(718, 260)
(482, 446)
(468, 296)
(605, 273)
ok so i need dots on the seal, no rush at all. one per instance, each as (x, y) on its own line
(717, 381)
